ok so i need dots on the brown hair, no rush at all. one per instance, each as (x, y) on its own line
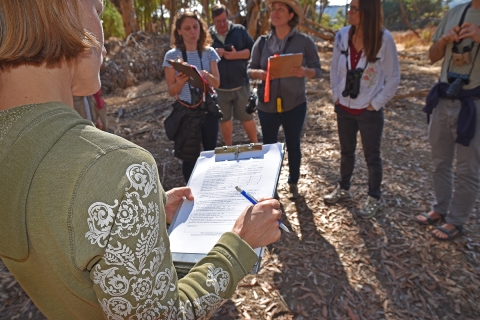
(177, 40)
(371, 23)
(218, 9)
(36, 32)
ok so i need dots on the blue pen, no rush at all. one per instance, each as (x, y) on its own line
(250, 198)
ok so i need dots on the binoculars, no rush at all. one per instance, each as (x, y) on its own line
(352, 83)
(457, 81)
(210, 104)
(460, 59)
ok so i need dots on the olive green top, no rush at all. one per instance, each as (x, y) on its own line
(83, 225)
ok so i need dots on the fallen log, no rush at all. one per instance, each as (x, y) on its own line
(422, 93)
(317, 33)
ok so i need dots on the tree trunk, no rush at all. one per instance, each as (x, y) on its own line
(253, 16)
(405, 18)
(323, 5)
(173, 12)
(234, 10)
(125, 7)
(206, 10)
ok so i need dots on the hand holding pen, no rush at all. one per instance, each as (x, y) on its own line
(258, 224)
(254, 201)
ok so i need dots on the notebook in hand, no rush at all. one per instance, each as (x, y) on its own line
(195, 79)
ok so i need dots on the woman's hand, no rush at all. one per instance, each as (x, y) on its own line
(371, 108)
(181, 78)
(174, 198)
(298, 72)
(260, 74)
(205, 74)
(258, 224)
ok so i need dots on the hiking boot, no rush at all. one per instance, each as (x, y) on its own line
(293, 191)
(337, 195)
(370, 208)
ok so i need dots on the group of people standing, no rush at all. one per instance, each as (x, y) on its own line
(83, 212)
(364, 76)
(363, 52)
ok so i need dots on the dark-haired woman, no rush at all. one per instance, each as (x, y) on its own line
(364, 76)
(190, 40)
(286, 103)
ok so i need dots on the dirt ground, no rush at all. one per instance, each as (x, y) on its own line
(333, 265)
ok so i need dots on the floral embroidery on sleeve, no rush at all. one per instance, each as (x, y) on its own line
(136, 280)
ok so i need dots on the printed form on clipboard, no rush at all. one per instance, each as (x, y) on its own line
(199, 224)
(280, 65)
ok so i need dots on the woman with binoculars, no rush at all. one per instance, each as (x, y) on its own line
(190, 42)
(364, 75)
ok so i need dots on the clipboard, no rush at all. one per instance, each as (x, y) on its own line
(195, 79)
(197, 225)
(280, 65)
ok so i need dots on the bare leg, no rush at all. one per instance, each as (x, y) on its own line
(250, 129)
(227, 128)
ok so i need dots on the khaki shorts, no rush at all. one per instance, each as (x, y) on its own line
(236, 102)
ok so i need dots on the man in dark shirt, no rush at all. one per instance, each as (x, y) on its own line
(233, 44)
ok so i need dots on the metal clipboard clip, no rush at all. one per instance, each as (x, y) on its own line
(236, 150)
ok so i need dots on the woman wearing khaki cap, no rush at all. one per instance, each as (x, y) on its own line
(285, 103)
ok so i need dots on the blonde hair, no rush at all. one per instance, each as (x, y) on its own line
(34, 32)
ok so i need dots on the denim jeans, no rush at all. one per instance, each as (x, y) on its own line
(292, 123)
(209, 142)
(370, 125)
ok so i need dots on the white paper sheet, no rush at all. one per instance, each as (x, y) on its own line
(199, 224)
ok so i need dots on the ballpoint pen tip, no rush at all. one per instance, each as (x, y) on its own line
(238, 189)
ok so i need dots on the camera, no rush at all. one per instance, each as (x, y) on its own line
(457, 81)
(210, 104)
(252, 103)
(352, 83)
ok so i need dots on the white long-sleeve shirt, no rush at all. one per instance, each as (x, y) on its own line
(379, 80)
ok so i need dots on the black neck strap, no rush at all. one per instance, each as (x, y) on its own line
(184, 55)
(464, 13)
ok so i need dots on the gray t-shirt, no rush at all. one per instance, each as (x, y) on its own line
(450, 20)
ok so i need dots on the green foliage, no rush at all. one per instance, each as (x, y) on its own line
(341, 19)
(146, 10)
(420, 13)
(112, 21)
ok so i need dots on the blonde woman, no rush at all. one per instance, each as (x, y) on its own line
(83, 214)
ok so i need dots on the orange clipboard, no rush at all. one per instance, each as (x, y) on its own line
(195, 79)
(280, 65)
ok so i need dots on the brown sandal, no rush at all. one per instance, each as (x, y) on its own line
(429, 221)
(451, 234)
